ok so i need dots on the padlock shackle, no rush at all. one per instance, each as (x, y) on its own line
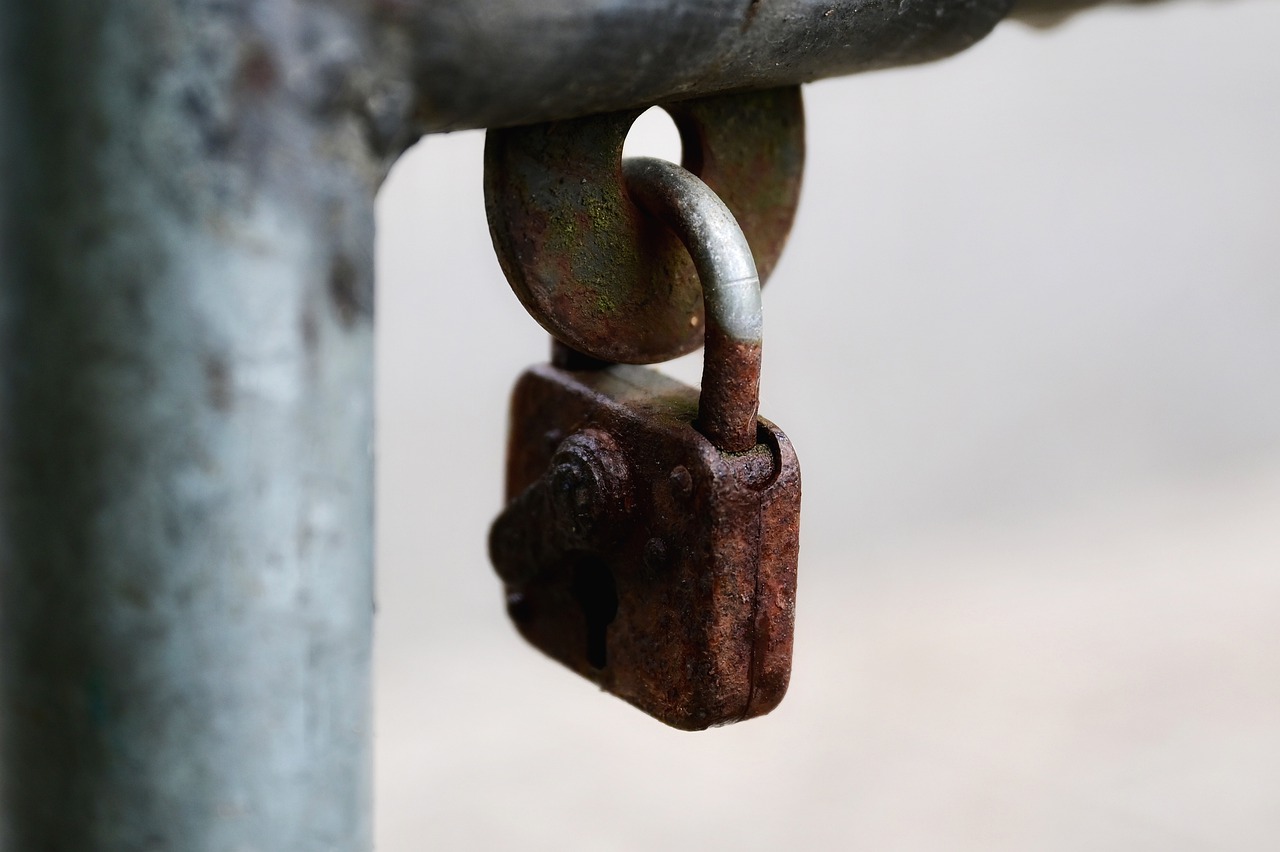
(730, 293)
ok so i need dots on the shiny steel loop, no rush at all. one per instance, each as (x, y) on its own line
(730, 290)
(707, 229)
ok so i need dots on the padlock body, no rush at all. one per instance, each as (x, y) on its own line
(681, 598)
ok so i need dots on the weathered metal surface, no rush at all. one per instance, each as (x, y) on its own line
(640, 556)
(186, 387)
(498, 63)
(502, 63)
(598, 272)
(730, 294)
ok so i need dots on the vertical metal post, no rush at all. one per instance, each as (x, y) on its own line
(185, 430)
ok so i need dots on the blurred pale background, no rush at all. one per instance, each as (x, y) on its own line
(1026, 339)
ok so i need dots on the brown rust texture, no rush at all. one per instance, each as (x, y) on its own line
(596, 271)
(730, 391)
(642, 557)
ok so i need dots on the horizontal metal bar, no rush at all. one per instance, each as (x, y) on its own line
(493, 63)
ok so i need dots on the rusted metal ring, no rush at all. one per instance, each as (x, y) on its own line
(597, 272)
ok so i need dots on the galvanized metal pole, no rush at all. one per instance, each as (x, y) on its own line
(186, 399)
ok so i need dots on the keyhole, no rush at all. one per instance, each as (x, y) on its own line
(596, 593)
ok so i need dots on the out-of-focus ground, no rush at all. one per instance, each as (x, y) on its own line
(1026, 338)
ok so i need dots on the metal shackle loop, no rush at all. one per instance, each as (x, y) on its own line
(730, 291)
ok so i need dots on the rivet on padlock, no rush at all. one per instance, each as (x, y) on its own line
(651, 538)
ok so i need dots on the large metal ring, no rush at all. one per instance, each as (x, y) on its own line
(596, 271)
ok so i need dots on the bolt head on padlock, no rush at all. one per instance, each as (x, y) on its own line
(642, 557)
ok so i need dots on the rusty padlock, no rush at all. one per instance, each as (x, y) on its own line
(651, 538)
